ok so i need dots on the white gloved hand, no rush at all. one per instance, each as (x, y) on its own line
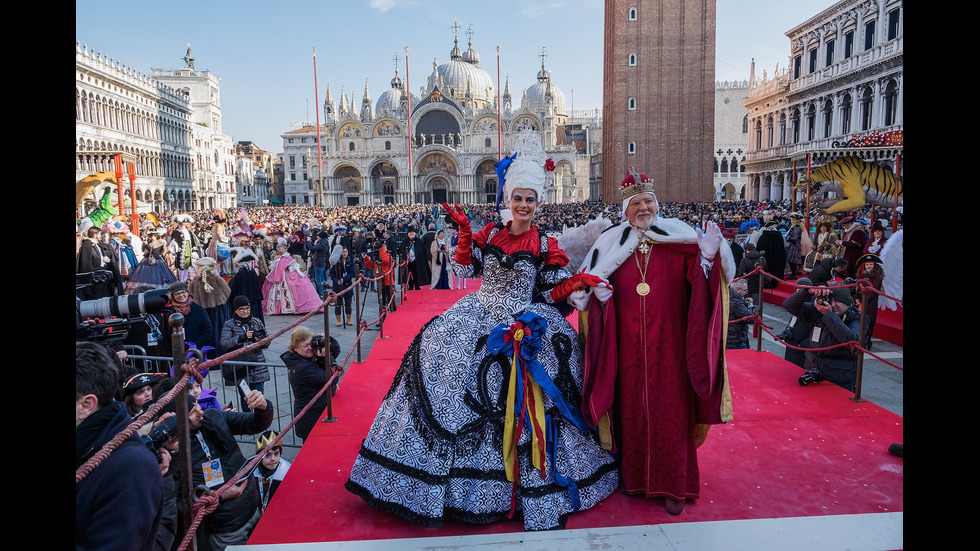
(603, 292)
(709, 241)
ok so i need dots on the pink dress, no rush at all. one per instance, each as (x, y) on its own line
(286, 290)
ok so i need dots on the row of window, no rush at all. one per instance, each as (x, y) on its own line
(806, 120)
(101, 111)
(830, 46)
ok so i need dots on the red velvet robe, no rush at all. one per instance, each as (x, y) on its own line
(654, 362)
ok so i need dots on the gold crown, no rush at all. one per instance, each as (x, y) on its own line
(635, 183)
(266, 439)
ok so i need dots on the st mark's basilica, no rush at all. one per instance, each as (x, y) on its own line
(455, 140)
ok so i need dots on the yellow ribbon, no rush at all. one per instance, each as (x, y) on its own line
(537, 453)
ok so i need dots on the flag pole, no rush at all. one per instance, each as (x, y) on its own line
(319, 149)
(411, 169)
(500, 154)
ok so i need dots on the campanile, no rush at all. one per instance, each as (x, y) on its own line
(658, 96)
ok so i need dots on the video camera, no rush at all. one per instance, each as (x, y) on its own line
(113, 316)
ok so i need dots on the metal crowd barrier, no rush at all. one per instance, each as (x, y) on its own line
(280, 395)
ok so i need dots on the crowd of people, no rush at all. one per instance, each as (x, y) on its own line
(224, 272)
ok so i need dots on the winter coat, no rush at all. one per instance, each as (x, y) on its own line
(750, 260)
(738, 332)
(837, 365)
(233, 338)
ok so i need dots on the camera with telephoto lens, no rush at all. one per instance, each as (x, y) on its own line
(259, 334)
(811, 376)
(161, 435)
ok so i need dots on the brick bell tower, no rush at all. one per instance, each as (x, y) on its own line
(658, 97)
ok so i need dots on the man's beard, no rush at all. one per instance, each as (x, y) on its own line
(642, 222)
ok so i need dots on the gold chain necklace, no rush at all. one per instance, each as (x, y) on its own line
(643, 288)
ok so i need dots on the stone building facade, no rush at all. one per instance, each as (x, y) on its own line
(119, 109)
(169, 122)
(440, 145)
(843, 83)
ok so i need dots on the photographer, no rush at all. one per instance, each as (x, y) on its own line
(306, 361)
(382, 262)
(240, 331)
(834, 322)
(740, 306)
(118, 505)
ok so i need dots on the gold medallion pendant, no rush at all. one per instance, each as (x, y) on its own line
(642, 289)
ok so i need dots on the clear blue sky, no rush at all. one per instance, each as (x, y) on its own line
(263, 50)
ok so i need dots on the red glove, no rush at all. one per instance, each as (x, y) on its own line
(578, 282)
(464, 246)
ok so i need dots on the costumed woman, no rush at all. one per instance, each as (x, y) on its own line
(796, 241)
(152, 271)
(220, 242)
(453, 437)
(287, 290)
(439, 265)
(869, 268)
(212, 292)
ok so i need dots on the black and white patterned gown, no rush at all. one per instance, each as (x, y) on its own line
(435, 449)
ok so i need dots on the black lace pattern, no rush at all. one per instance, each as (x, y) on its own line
(434, 450)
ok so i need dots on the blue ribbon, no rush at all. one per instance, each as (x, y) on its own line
(529, 347)
(502, 166)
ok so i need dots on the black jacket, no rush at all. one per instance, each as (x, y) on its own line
(306, 379)
(218, 429)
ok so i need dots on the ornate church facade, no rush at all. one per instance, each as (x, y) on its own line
(440, 145)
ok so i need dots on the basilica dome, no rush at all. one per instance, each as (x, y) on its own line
(463, 72)
(536, 97)
(392, 98)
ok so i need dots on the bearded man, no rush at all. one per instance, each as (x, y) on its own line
(655, 374)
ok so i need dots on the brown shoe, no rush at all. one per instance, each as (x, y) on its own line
(673, 506)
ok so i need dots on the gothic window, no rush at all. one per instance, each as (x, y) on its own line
(745, 124)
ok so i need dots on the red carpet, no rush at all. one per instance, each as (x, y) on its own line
(791, 451)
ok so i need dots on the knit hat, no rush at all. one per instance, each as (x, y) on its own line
(239, 301)
(842, 294)
(177, 287)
